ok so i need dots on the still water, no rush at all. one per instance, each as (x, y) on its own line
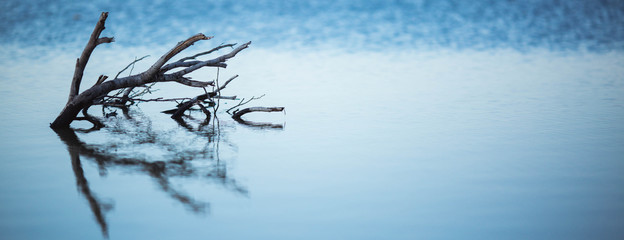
(404, 120)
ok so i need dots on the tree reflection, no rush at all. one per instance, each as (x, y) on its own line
(200, 160)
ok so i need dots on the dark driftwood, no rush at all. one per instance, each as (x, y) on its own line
(156, 73)
(81, 62)
(196, 100)
(239, 114)
(160, 71)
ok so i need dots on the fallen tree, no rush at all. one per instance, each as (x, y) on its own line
(160, 71)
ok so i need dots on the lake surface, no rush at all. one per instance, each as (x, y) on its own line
(404, 120)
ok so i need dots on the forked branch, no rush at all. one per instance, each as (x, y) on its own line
(81, 62)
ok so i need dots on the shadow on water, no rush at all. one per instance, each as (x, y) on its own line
(259, 125)
(179, 160)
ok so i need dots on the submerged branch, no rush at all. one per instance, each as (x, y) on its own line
(159, 71)
(238, 116)
(154, 74)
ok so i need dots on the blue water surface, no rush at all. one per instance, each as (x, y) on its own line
(482, 24)
(404, 120)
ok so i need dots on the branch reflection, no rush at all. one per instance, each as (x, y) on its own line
(260, 125)
(128, 143)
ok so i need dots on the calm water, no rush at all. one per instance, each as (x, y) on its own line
(404, 120)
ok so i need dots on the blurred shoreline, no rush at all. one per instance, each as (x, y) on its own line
(352, 25)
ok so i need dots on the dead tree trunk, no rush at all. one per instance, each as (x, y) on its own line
(158, 72)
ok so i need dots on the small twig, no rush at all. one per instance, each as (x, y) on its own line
(218, 91)
(190, 64)
(146, 89)
(219, 61)
(242, 102)
(207, 52)
(224, 85)
(105, 40)
(131, 64)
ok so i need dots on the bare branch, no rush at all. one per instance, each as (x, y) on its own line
(126, 95)
(207, 52)
(97, 94)
(185, 106)
(240, 113)
(237, 117)
(177, 49)
(225, 84)
(187, 81)
(220, 60)
(105, 40)
(131, 64)
(243, 102)
(81, 62)
(189, 64)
